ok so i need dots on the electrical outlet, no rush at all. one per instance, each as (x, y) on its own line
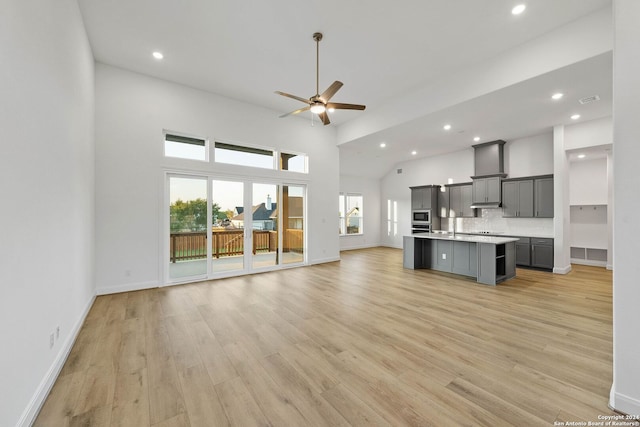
(51, 340)
(444, 256)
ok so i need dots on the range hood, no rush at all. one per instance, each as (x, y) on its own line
(486, 205)
(489, 163)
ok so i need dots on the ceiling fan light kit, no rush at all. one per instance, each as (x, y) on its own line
(319, 103)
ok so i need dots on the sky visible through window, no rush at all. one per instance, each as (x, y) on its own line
(227, 194)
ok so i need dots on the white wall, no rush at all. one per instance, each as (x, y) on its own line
(529, 156)
(588, 182)
(625, 392)
(132, 110)
(370, 190)
(591, 133)
(46, 188)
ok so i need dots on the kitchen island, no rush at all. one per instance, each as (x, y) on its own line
(490, 260)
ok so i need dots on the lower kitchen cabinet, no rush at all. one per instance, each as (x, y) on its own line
(542, 253)
(465, 258)
(441, 255)
(535, 252)
(523, 252)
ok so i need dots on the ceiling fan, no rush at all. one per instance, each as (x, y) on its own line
(319, 103)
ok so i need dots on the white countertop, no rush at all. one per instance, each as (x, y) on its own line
(507, 234)
(465, 238)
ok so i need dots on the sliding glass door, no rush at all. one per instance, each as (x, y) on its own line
(293, 204)
(188, 220)
(265, 225)
(222, 227)
(227, 231)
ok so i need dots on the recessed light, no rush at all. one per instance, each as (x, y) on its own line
(582, 156)
(575, 117)
(413, 153)
(447, 127)
(557, 96)
(518, 9)
(476, 139)
(382, 145)
(158, 55)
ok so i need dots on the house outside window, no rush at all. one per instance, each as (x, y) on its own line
(350, 214)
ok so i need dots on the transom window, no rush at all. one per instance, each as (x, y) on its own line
(184, 147)
(193, 148)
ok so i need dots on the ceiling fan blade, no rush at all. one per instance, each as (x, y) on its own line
(288, 95)
(324, 117)
(331, 90)
(340, 106)
(296, 112)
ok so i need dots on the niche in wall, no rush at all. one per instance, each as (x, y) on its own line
(588, 198)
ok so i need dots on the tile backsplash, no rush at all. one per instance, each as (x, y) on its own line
(492, 220)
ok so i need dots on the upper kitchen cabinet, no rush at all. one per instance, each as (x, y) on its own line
(486, 190)
(460, 200)
(443, 202)
(543, 191)
(424, 197)
(489, 171)
(528, 197)
(517, 198)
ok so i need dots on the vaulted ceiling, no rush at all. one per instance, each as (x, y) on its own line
(385, 53)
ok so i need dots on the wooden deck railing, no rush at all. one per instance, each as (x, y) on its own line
(190, 246)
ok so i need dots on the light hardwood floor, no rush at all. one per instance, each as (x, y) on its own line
(360, 342)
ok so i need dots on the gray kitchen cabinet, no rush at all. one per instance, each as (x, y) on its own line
(416, 253)
(542, 253)
(465, 259)
(443, 202)
(466, 197)
(441, 255)
(523, 252)
(424, 197)
(496, 263)
(486, 190)
(460, 201)
(543, 191)
(517, 198)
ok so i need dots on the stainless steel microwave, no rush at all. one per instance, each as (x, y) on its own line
(422, 216)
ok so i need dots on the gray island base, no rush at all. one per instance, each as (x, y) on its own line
(490, 260)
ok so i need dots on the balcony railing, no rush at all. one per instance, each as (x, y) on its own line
(191, 246)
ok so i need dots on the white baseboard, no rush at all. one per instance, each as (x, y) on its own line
(128, 287)
(589, 262)
(609, 266)
(324, 260)
(399, 246)
(562, 270)
(623, 404)
(31, 411)
(353, 248)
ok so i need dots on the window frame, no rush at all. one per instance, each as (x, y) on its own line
(182, 135)
(343, 202)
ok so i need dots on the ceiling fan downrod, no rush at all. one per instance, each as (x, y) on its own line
(317, 37)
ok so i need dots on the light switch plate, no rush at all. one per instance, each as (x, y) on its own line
(444, 256)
